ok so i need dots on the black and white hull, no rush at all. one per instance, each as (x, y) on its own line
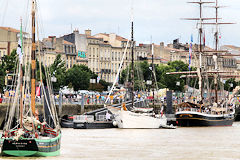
(192, 119)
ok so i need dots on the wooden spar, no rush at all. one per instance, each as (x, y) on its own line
(187, 72)
(223, 55)
(212, 76)
(216, 23)
(216, 51)
(200, 2)
(197, 19)
(195, 72)
(33, 58)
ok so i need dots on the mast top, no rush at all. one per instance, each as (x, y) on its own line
(200, 2)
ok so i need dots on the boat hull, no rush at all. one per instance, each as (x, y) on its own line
(127, 119)
(196, 119)
(31, 147)
(66, 123)
(93, 125)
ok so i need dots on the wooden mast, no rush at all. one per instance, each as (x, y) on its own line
(201, 19)
(216, 48)
(21, 81)
(132, 71)
(153, 82)
(216, 52)
(33, 58)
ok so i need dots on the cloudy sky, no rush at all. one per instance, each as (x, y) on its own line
(160, 19)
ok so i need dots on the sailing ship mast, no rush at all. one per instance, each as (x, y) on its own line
(153, 82)
(201, 19)
(21, 80)
(132, 71)
(216, 52)
(132, 52)
(33, 58)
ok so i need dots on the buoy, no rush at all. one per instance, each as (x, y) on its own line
(114, 123)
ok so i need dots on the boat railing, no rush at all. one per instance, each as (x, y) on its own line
(83, 118)
(101, 118)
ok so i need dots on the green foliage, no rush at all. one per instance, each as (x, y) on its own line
(163, 80)
(78, 77)
(2, 78)
(38, 72)
(8, 66)
(227, 85)
(96, 87)
(145, 74)
(104, 84)
(170, 81)
(58, 70)
(9, 62)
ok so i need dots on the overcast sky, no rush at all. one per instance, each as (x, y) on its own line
(160, 19)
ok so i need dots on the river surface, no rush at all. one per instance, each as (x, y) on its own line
(201, 143)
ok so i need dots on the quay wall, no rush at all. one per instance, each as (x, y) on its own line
(68, 109)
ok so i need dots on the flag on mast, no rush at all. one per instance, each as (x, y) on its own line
(204, 40)
(19, 48)
(190, 53)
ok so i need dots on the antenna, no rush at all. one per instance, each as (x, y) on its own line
(132, 15)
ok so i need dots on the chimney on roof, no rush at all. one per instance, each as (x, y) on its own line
(88, 32)
(76, 31)
(161, 44)
(112, 37)
(52, 38)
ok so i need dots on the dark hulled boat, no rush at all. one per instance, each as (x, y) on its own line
(192, 115)
(206, 112)
(66, 121)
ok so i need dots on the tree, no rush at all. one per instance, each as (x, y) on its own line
(142, 73)
(2, 78)
(58, 70)
(163, 80)
(9, 62)
(170, 81)
(227, 85)
(104, 84)
(79, 77)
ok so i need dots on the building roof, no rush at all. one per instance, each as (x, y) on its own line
(11, 29)
(92, 37)
(68, 43)
(231, 47)
(117, 37)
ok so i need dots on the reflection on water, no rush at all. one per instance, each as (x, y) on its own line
(211, 143)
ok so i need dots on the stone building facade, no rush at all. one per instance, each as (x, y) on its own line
(9, 41)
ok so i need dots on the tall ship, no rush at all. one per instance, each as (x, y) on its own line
(208, 109)
(26, 132)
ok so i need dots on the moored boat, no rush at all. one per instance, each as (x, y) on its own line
(24, 133)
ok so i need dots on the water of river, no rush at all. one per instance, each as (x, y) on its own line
(202, 143)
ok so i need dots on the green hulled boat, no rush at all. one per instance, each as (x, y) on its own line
(26, 133)
(31, 147)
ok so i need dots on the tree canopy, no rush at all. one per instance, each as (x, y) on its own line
(163, 80)
(58, 70)
(78, 77)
